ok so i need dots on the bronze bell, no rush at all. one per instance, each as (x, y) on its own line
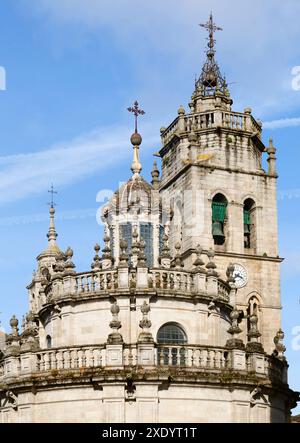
(217, 230)
(246, 229)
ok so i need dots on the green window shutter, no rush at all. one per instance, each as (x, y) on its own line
(247, 217)
(219, 211)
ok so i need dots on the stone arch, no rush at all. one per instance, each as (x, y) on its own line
(219, 218)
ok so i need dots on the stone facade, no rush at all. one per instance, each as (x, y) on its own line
(179, 318)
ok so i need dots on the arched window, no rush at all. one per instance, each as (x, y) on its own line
(219, 214)
(172, 339)
(249, 224)
(48, 342)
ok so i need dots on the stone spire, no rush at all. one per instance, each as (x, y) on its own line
(52, 249)
(211, 81)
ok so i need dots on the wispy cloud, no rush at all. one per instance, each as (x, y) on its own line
(27, 174)
(282, 123)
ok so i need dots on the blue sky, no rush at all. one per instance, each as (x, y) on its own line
(73, 67)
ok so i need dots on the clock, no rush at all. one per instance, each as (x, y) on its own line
(240, 275)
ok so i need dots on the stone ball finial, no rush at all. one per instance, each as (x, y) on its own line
(115, 309)
(136, 139)
(181, 110)
(97, 248)
(210, 254)
(69, 252)
(29, 317)
(145, 308)
(248, 111)
(162, 129)
(14, 322)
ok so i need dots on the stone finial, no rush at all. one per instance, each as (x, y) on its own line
(253, 344)
(96, 265)
(229, 274)
(107, 259)
(60, 263)
(279, 346)
(29, 338)
(115, 337)
(211, 266)
(271, 150)
(155, 176)
(181, 110)
(165, 256)
(69, 265)
(192, 136)
(123, 258)
(142, 257)
(14, 323)
(135, 248)
(198, 263)
(13, 339)
(145, 324)
(235, 330)
(178, 262)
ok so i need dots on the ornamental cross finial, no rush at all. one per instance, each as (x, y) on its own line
(212, 28)
(52, 192)
(136, 111)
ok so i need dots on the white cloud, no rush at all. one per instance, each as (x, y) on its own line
(258, 48)
(282, 123)
(27, 174)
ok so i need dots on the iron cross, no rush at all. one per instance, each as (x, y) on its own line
(52, 192)
(136, 111)
(212, 28)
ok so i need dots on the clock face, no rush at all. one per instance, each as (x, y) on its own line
(240, 275)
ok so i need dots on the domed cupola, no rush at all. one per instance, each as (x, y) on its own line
(132, 214)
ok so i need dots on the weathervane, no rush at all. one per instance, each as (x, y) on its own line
(136, 111)
(52, 192)
(212, 28)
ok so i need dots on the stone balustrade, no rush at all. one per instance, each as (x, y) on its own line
(210, 119)
(141, 278)
(189, 357)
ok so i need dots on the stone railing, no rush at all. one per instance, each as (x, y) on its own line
(190, 357)
(193, 356)
(141, 278)
(210, 119)
(171, 280)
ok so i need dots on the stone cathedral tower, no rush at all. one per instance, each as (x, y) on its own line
(178, 319)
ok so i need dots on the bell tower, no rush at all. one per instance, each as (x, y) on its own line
(218, 195)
